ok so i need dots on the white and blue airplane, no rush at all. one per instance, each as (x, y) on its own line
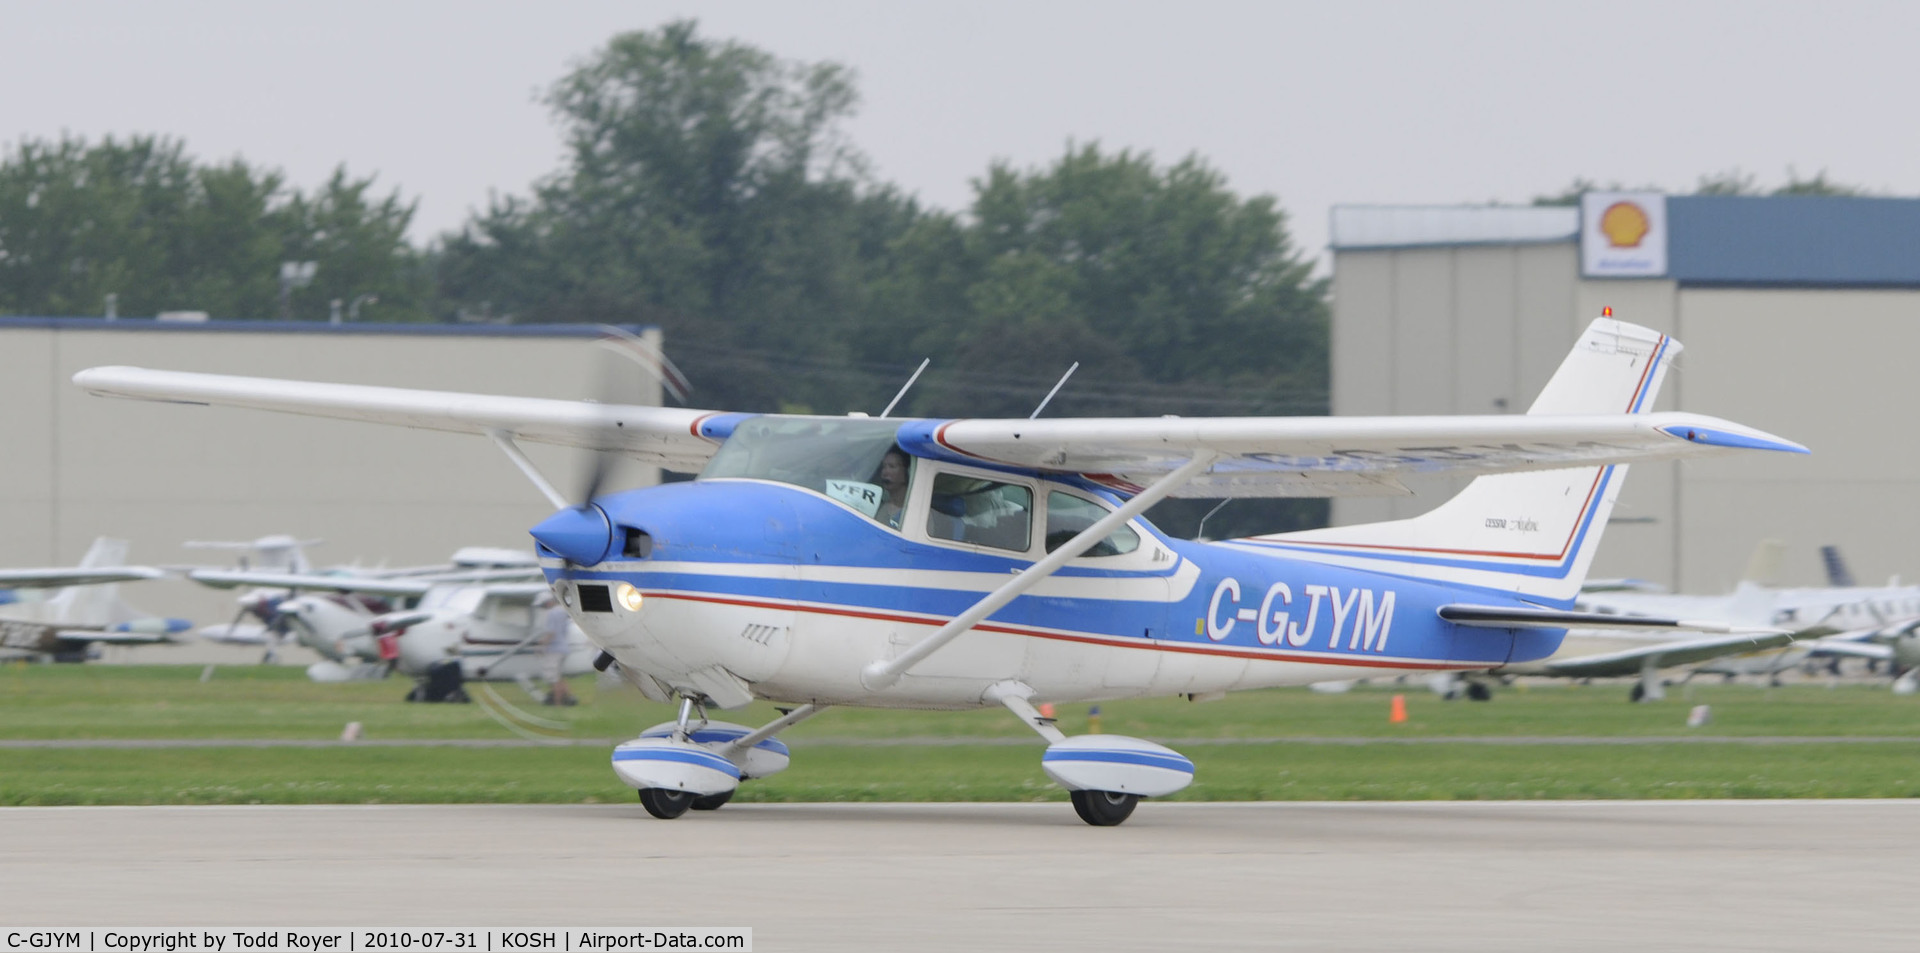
(961, 564)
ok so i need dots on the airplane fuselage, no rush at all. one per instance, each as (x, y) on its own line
(759, 589)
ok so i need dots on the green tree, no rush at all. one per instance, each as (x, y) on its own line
(140, 220)
(1731, 181)
(1174, 294)
(707, 190)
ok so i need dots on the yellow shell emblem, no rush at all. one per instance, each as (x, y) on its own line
(1624, 224)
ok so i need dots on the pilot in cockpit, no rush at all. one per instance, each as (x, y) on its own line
(891, 477)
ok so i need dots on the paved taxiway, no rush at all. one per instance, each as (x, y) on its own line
(1703, 875)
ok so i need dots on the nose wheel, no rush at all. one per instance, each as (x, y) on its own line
(1104, 808)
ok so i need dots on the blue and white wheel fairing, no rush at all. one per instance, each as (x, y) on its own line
(766, 758)
(672, 765)
(1118, 764)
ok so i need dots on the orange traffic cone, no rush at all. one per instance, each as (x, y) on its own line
(1397, 713)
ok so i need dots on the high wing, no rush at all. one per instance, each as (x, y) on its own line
(1664, 654)
(377, 585)
(664, 436)
(1255, 456)
(1328, 456)
(512, 583)
(74, 576)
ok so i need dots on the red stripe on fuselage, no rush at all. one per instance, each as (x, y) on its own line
(1064, 637)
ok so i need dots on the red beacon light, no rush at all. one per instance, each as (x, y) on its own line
(1607, 312)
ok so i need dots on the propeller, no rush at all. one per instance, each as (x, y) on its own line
(583, 534)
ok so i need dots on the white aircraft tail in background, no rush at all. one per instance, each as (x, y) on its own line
(1533, 534)
(86, 612)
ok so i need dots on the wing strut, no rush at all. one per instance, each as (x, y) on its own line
(881, 674)
(504, 441)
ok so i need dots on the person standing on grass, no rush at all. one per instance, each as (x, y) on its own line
(559, 640)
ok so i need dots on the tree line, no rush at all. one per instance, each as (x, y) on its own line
(708, 188)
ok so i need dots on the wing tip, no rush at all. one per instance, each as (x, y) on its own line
(1733, 439)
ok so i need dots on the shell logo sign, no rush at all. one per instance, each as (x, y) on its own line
(1624, 224)
(1623, 235)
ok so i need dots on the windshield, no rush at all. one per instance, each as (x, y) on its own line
(845, 459)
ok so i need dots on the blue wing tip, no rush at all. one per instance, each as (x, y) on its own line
(1708, 436)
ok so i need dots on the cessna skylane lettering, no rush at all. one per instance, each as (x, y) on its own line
(1012, 567)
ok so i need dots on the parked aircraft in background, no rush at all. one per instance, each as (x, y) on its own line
(479, 611)
(285, 556)
(1766, 629)
(86, 612)
(1018, 569)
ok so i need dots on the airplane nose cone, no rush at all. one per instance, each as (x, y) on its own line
(581, 535)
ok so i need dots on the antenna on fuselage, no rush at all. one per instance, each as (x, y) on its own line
(907, 386)
(1200, 532)
(1044, 401)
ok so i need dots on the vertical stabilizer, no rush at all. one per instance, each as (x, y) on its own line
(1533, 534)
(96, 604)
(1839, 575)
(1763, 567)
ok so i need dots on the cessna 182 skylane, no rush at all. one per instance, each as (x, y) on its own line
(1009, 564)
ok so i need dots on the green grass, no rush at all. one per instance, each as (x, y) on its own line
(104, 701)
(1257, 745)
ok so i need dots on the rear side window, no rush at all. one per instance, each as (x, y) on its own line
(982, 512)
(1067, 515)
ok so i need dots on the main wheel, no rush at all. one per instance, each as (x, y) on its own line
(665, 804)
(712, 802)
(1104, 808)
(1479, 692)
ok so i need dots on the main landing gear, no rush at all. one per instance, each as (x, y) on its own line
(1105, 775)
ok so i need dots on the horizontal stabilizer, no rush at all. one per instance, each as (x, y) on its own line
(1506, 617)
(123, 637)
(1664, 654)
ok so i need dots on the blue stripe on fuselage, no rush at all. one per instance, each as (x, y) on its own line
(740, 523)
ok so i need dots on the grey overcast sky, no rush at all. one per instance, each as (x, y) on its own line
(1317, 103)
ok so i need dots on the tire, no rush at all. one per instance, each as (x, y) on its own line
(1479, 692)
(712, 802)
(665, 804)
(1639, 693)
(1104, 808)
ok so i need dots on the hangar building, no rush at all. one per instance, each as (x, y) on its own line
(1800, 315)
(74, 466)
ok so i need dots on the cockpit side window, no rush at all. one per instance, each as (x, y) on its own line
(1068, 515)
(981, 511)
(851, 460)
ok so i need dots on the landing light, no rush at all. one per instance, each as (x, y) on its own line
(628, 596)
